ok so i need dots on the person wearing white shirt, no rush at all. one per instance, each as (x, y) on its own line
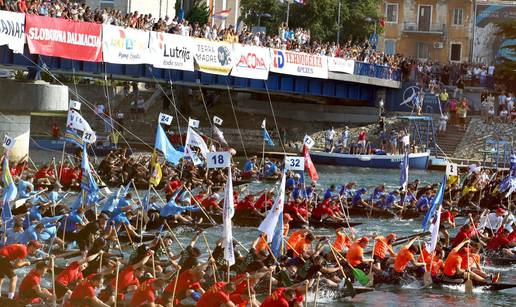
(328, 135)
(492, 221)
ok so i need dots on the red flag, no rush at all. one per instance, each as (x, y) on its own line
(309, 165)
(382, 22)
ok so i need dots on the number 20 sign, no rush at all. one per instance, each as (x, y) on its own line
(219, 159)
(295, 163)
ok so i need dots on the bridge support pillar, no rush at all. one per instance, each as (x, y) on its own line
(19, 100)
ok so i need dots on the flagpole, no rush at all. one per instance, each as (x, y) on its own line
(288, 11)
(61, 163)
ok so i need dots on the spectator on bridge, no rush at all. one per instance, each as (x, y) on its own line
(328, 136)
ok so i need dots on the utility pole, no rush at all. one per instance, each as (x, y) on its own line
(338, 23)
(288, 11)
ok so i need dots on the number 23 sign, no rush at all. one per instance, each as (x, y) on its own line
(219, 159)
(295, 163)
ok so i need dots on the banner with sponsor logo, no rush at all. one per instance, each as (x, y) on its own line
(299, 64)
(213, 57)
(12, 30)
(64, 38)
(171, 51)
(251, 62)
(341, 65)
(125, 45)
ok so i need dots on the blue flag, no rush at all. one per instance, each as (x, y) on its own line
(266, 136)
(145, 201)
(404, 167)
(163, 144)
(88, 182)
(436, 201)
(277, 240)
(10, 190)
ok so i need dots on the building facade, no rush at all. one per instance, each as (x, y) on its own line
(434, 30)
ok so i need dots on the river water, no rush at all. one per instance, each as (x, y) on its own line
(408, 295)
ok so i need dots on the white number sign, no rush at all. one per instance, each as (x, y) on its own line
(295, 163)
(89, 136)
(219, 159)
(451, 169)
(75, 105)
(217, 120)
(309, 142)
(165, 119)
(8, 142)
(194, 123)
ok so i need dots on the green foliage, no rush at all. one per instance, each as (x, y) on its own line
(318, 16)
(199, 13)
(505, 69)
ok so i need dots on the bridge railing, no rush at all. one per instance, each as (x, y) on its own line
(376, 71)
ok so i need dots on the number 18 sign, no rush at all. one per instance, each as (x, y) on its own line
(219, 159)
(295, 163)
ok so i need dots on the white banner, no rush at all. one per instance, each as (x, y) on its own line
(12, 30)
(214, 57)
(125, 45)
(172, 51)
(299, 64)
(451, 169)
(341, 65)
(252, 62)
(89, 136)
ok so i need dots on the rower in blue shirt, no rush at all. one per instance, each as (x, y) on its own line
(391, 200)
(123, 204)
(357, 198)
(330, 192)
(25, 188)
(423, 203)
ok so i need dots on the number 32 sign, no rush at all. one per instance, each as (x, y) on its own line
(219, 159)
(295, 163)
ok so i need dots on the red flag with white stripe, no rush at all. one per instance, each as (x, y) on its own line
(309, 165)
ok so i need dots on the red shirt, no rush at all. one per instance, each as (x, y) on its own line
(185, 281)
(32, 279)
(172, 186)
(262, 202)
(126, 278)
(144, 294)
(447, 216)
(214, 297)
(362, 136)
(68, 175)
(14, 251)
(461, 235)
(83, 290)
(512, 236)
(498, 241)
(276, 299)
(246, 203)
(70, 274)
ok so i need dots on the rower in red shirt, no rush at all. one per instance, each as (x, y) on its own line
(71, 275)
(145, 294)
(500, 242)
(30, 291)
(217, 296)
(447, 217)
(11, 257)
(128, 277)
(282, 297)
(464, 233)
(265, 201)
(84, 293)
(188, 282)
(172, 187)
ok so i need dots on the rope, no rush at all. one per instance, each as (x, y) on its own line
(236, 119)
(205, 106)
(175, 109)
(274, 117)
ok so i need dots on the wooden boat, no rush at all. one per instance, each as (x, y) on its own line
(416, 160)
(439, 281)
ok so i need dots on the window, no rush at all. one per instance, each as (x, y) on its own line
(455, 52)
(391, 12)
(422, 51)
(457, 17)
(390, 46)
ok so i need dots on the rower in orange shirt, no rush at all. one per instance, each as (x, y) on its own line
(405, 256)
(341, 241)
(434, 264)
(260, 243)
(473, 262)
(287, 218)
(453, 264)
(294, 238)
(355, 255)
(383, 245)
(304, 246)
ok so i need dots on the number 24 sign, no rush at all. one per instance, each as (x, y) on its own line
(219, 159)
(295, 163)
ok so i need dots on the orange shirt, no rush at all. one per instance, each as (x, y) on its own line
(301, 246)
(295, 237)
(473, 258)
(402, 259)
(450, 265)
(355, 254)
(341, 241)
(381, 248)
(286, 228)
(261, 245)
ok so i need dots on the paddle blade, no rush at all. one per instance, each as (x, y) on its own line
(371, 279)
(360, 276)
(427, 279)
(468, 286)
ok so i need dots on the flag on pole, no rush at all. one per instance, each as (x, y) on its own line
(269, 224)
(434, 231)
(508, 184)
(10, 190)
(72, 136)
(437, 200)
(404, 167)
(309, 165)
(76, 121)
(227, 214)
(194, 139)
(165, 119)
(266, 136)
(222, 14)
(219, 136)
(88, 182)
(163, 144)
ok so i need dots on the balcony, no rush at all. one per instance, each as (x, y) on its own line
(412, 27)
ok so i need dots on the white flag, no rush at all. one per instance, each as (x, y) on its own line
(194, 123)
(89, 136)
(75, 105)
(194, 139)
(434, 231)
(219, 136)
(263, 126)
(268, 225)
(309, 142)
(165, 119)
(76, 121)
(8, 142)
(217, 120)
(227, 214)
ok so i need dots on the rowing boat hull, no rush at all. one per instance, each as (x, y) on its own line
(485, 287)
(416, 160)
(53, 144)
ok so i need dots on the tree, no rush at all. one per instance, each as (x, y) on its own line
(318, 16)
(199, 13)
(505, 69)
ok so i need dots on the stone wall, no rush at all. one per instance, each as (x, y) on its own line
(478, 131)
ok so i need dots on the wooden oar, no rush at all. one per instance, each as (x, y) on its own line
(359, 274)
(175, 284)
(294, 250)
(213, 266)
(54, 299)
(317, 288)
(347, 282)
(468, 285)
(427, 276)
(116, 281)
(174, 236)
